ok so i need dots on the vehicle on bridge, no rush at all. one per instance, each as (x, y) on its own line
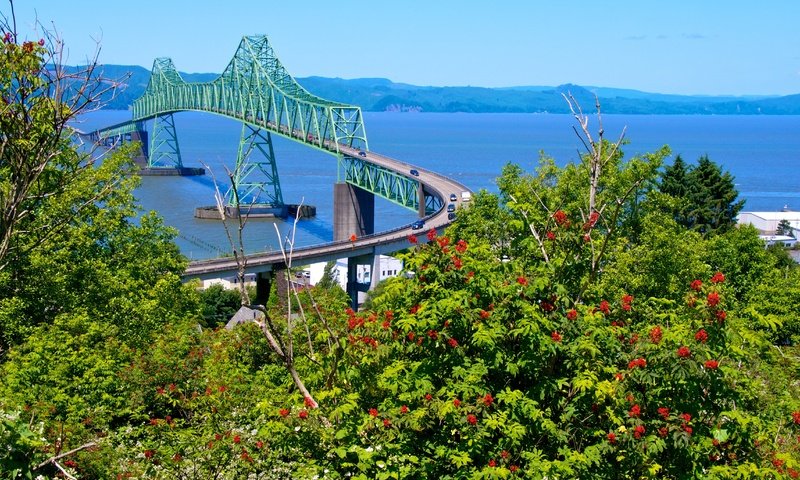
(333, 127)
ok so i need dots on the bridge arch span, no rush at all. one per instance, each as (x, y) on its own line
(256, 90)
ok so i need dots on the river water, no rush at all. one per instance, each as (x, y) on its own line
(762, 152)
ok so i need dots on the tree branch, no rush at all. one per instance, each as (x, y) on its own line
(55, 458)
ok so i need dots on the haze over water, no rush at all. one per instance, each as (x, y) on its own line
(762, 152)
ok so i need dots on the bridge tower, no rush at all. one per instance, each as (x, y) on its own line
(256, 90)
(164, 150)
(255, 176)
(354, 215)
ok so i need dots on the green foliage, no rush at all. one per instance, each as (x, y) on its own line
(565, 328)
(219, 305)
(742, 256)
(784, 228)
(703, 197)
(660, 265)
(81, 388)
(329, 278)
(20, 443)
(773, 306)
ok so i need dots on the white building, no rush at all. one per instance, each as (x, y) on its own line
(230, 282)
(784, 240)
(388, 267)
(767, 222)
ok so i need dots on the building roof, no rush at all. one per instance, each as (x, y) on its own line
(244, 315)
(778, 216)
(777, 238)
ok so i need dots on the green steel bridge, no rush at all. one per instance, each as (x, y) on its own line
(256, 90)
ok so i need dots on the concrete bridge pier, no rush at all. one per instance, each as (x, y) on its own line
(353, 212)
(357, 280)
(263, 286)
(141, 137)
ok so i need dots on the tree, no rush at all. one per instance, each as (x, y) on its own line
(600, 197)
(66, 223)
(674, 184)
(39, 167)
(673, 179)
(785, 228)
(713, 196)
(703, 198)
(330, 277)
(219, 305)
(84, 284)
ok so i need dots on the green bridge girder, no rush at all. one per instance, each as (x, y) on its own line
(116, 131)
(395, 187)
(257, 90)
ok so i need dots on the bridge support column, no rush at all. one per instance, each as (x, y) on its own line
(164, 144)
(359, 278)
(140, 136)
(353, 211)
(256, 174)
(421, 193)
(263, 286)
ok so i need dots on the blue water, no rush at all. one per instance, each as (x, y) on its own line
(762, 152)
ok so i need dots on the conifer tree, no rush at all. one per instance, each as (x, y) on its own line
(712, 198)
(705, 198)
(673, 180)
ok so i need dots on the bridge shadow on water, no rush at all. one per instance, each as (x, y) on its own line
(314, 228)
(207, 181)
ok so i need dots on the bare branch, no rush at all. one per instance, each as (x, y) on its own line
(55, 458)
(534, 233)
(53, 96)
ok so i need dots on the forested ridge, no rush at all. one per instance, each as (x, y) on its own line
(605, 319)
(380, 94)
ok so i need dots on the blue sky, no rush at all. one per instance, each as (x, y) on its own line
(708, 47)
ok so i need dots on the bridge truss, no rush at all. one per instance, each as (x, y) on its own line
(256, 90)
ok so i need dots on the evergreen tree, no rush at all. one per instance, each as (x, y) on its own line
(712, 196)
(330, 277)
(673, 180)
(784, 228)
(704, 198)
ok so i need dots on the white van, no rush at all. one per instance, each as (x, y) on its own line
(466, 196)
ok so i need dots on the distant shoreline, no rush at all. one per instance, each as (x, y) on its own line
(380, 95)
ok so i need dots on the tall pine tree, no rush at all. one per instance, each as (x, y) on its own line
(705, 197)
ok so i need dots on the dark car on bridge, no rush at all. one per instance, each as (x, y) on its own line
(362, 153)
(418, 225)
(451, 207)
(414, 172)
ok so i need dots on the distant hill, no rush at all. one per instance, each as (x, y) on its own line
(380, 94)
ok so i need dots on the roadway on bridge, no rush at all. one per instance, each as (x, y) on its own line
(376, 244)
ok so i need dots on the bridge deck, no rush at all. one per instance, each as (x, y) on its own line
(379, 243)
